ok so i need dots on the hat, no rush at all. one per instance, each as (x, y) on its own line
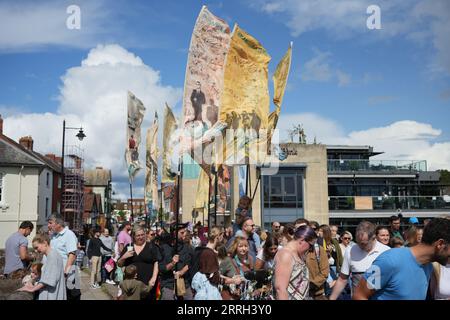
(413, 220)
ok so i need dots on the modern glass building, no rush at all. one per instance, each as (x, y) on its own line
(362, 188)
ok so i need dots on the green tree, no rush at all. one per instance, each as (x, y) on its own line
(445, 177)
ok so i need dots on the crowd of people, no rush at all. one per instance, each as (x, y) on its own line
(302, 260)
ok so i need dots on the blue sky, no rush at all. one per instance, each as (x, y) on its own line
(389, 88)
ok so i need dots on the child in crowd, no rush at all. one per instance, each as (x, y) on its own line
(133, 289)
(80, 257)
(34, 276)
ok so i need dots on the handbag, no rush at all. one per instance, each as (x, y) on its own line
(180, 287)
(119, 275)
(109, 265)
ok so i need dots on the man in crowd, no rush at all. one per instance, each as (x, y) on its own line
(404, 273)
(395, 227)
(175, 263)
(358, 258)
(65, 242)
(248, 231)
(334, 232)
(16, 249)
(276, 227)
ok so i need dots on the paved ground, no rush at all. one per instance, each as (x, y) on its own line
(106, 292)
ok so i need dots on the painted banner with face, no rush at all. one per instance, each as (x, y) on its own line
(204, 78)
(134, 120)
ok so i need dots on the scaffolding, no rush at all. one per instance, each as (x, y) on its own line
(72, 198)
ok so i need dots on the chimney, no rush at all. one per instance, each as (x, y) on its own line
(1, 124)
(51, 156)
(26, 142)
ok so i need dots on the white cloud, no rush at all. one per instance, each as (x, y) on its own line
(370, 77)
(28, 25)
(314, 125)
(6, 111)
(421, 21)
(319, 69)
(94, 95)
(401, 140)
(344, 79)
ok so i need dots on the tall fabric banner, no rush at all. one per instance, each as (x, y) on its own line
(245, 100)
(170, 125)
(135, 116)
(204, 78)
(279, 83)
(151, 177)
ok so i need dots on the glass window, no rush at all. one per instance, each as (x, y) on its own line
(47, 179)
(275, 185)
(46, 206)
(289, 186)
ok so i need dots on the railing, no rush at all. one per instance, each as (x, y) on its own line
(377, 165)
(391, 203)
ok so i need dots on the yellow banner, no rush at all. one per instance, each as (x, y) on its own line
(202, 195)
(245, 99)
(151, 177)
(170, 125)
(280, 78)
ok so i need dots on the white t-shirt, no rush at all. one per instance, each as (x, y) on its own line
(443, 291)
(357, 261)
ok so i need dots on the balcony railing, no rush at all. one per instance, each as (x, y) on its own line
(377, 165)
(390, 203)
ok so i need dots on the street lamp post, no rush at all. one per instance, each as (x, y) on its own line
(80, 135)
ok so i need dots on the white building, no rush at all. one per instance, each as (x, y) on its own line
(27, 182)
(19, 187)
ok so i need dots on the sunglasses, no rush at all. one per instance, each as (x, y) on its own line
(345, 238)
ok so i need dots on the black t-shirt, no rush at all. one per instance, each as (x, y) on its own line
(144, 261)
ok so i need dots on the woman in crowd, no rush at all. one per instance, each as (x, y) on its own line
(52, 283)
(234, 266)
(286, 235)
(206, 281)
(382, 234)
(265, 258)
(95, 257)
(291, 281)
(145, 256)
(334, 255)
(346, 241)
(228, 234)
(411, 236)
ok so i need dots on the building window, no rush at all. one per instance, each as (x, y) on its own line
(46, 206)
(48, 179)
(59, 182)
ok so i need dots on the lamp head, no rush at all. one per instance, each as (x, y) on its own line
(81, 135)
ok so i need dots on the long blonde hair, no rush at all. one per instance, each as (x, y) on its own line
(232, 251)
